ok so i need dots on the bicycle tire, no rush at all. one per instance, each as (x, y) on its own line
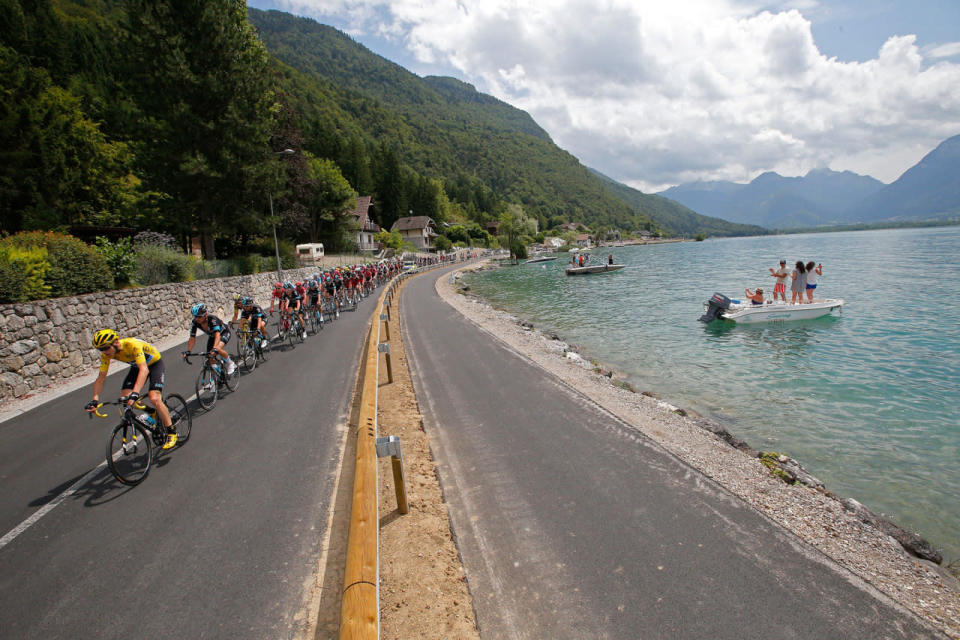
(249, 356)
(232, 380)
(129, 462)
(206, 388)
(290, 337)
(299, 330)
(180, 418)
(262, 349)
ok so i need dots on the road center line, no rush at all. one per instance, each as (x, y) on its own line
(50, 506)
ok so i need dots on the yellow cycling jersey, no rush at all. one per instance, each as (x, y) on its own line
(132, 351)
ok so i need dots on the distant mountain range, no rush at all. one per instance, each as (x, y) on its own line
(929, 191)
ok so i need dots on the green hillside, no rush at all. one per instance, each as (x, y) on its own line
(167, 115)
(676, 217)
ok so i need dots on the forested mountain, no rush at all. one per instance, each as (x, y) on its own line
(168, 115)
(675, 216)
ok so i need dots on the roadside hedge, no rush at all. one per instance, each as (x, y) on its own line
(22, 273)
(74, 267)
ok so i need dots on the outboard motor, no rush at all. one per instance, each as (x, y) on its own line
(716, 304)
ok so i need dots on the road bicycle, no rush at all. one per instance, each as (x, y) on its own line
(132, 444)
(289, 327)
(251, 348)
(213, 376)
(315, 318)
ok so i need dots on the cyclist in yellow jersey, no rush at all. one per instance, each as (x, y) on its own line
(145, 364)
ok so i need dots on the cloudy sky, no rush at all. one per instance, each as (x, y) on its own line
(658, 92)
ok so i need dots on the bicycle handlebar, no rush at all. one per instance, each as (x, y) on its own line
(186, 355)
(121, 402)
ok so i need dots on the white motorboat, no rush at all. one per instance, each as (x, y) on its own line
(722, 307)
(540, 259)
(596, 268)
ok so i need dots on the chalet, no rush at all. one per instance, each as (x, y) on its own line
(367, 228)
(493, 227)
(417, 230)
(569, 226)
(583, 240)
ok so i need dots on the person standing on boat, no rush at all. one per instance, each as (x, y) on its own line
(610, 259)
(812, 273)
(799, 283)
(781, 276)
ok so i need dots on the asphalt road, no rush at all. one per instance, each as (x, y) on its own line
(571, 524)
(222, 540)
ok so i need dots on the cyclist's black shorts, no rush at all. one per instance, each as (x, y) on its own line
(255, 321)
(314, 298)
(224, 339)
(155, 378)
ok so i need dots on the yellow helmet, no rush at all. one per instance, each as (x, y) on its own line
(104, 337)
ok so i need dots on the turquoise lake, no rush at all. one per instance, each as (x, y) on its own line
(866, 401)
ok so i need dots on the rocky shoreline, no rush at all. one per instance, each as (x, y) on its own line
(898, 563)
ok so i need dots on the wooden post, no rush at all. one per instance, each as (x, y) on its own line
(398, 480)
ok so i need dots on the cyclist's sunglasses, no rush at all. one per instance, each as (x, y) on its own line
(105, 349)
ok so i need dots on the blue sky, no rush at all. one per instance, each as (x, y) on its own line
(655, 94)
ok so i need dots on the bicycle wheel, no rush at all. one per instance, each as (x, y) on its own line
(207, 388)
(180, 418)
(263, 348)
(248, 357)
(129, 453)
(299, 330)
(231, 380)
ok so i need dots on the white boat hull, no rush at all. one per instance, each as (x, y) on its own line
(781, 312)
(597, 268)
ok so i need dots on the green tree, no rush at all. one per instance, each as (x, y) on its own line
(201, 73)
(331, 201)
(56, 167)
(391, 198)
(390, 239)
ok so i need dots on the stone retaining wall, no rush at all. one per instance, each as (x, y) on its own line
(45, 342)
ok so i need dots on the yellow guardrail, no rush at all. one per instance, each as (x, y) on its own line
(360, 600)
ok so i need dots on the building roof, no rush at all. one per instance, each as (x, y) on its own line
(362, 213)
(412, 222)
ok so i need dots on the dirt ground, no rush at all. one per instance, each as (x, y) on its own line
(423, 588)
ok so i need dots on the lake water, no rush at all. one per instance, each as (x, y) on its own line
(866, 401)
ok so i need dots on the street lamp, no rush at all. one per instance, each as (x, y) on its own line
(276, 245)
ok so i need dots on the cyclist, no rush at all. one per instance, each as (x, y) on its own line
(145, 364)
(329, 290)
(276, 296)
(338, 286)
(218, 334)
(313, 294)
(256, 317)
(293, 303)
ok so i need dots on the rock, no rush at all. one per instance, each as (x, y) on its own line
(14, 323)
(800, 474)
(12, 363)
(23, 347)
(721, 432)
(52, 352)
(911, 542)
(651, 394)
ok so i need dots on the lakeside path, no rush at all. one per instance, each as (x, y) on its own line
(572, 523)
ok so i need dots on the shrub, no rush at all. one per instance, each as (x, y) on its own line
(75, 267)
(22, 274)
(121, 257)
(158, 265)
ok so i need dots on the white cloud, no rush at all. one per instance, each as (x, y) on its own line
(654, 93)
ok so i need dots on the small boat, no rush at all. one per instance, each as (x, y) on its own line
(724, 308)
(540, 259)
(595, 268)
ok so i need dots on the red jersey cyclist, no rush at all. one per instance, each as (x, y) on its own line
(145, 365)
